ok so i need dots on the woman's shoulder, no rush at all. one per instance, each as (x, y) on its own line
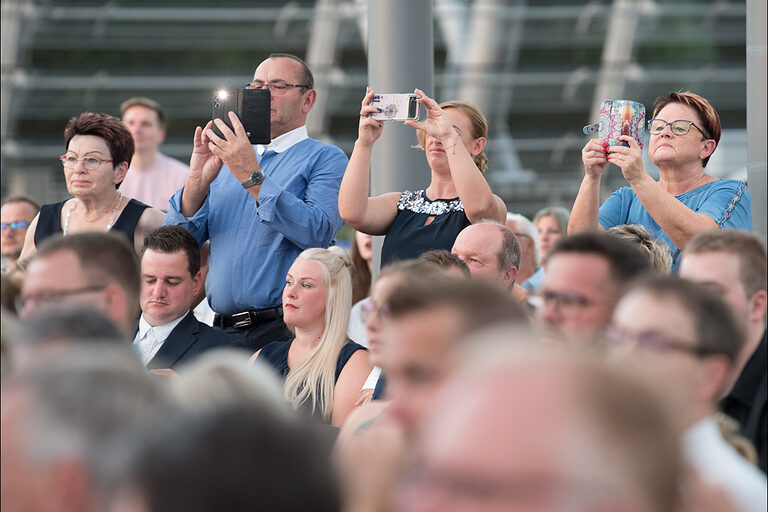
(275, 347)
(345, 354)
(719, 184)
(351, 347)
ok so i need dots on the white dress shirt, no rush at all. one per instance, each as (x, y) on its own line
(718, 463)
(284, 141)
(149, 339)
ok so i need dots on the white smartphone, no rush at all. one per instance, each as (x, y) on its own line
(395, 107)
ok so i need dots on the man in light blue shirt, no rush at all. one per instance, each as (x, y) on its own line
(267, 205)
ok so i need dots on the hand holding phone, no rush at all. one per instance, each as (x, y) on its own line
(395, 107)
(252, 108)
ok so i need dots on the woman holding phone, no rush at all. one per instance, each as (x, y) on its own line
(453, 137)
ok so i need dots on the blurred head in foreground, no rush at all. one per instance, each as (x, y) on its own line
(539, 432)
(234, 458)
(59, 420)
(422, 329)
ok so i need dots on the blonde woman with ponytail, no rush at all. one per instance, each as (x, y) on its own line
(323, 370)
(453, 138)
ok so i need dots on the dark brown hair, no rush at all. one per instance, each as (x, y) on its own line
(361, 274)
(478, 303)
(104, 258)
(624, 258)
(445, 259)
(111, 129)
(171, 239)
(716, 328)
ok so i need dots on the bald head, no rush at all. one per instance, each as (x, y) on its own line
(587, 436)
(491, 251)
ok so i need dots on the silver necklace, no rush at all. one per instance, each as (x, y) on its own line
(111, 217)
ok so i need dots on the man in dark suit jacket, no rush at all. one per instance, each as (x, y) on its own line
(168, 334)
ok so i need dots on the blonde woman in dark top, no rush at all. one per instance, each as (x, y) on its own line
(322, 370)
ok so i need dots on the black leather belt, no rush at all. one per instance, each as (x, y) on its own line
(247, 318)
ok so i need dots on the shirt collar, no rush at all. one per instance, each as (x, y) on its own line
(284, 141)
(161, 331)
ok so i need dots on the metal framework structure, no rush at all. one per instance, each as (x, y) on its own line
(538, 70)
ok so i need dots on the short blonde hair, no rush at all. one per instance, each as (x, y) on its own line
(658, 253)
(476, 120)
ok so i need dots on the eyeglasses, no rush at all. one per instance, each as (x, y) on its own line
(655, 341)
(277, 87)
(23, 301)
(369, 308)
(15, 225)
(89, 162)
(679, 127)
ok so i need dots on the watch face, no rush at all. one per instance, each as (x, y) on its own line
(257, 177)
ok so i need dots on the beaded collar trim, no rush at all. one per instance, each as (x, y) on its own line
(418, 203)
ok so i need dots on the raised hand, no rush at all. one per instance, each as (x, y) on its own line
(594, 157)
(204, 166)
(369, 129)
(437, 124)
(629, 159)
(234, 149)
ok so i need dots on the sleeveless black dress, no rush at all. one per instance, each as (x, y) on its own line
(49, 222)
(276, 354)
(408, 237)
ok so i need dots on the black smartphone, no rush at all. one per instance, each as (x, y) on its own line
(251, 107)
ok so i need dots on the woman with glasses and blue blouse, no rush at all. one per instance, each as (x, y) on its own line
(453, 137)
(99, 151)
(684, 132)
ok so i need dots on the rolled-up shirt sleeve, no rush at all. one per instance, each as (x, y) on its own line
(197, 225)
(312, 220)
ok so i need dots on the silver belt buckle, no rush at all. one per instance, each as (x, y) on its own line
(244, 322)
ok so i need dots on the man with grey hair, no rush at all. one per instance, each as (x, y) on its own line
(57, 422)
(530, 274)
(491, 251)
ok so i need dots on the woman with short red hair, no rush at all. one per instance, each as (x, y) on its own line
(684, 132)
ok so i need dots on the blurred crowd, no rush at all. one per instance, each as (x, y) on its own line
(190, 337)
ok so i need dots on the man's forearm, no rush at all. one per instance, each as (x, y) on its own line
(192, 197)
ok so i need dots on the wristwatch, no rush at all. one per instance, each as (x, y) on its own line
(257, 178)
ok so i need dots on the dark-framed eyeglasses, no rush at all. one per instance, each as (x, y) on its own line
(15, 225)
(679, 127)
(275, 87)
(22, 301)
(655, 341)
(90, 163)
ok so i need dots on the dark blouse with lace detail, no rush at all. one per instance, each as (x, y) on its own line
(411, 234)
